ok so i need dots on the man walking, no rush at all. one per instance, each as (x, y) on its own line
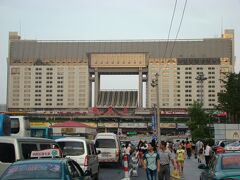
(151, 162)
(165, 158)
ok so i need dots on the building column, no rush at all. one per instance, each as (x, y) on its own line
(96, 88)
(140, 93)
(90, 91)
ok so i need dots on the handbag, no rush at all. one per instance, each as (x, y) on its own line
(175, 174)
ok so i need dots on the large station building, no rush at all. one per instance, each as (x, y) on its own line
(61, 76)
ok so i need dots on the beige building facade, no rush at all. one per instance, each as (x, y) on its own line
(59, 75)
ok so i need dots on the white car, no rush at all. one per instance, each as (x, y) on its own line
(82, 151)
(109, 145)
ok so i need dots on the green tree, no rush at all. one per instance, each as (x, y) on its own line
(229, 100)
(198, 121)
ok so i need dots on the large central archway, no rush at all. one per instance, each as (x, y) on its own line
(118, 64)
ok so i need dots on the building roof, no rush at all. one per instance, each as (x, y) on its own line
(79, 50)
(71, 124)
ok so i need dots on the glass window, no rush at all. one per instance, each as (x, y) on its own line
(73, 170)
(72, 148)
(7, 153)
(33, 170)
(105, 143)
(15, 125)
(27, 149)
(231, 162)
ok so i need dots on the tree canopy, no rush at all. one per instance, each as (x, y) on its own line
(198, 121)
(229, 100)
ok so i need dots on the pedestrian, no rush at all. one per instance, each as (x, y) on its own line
(175, 145)
(189, 149)
(221, 148)
(198, 149)
(207, 153)
(180, 156)
(127, 150)
(165, 158)
(151, 162)
(200, 156)
(140, 150)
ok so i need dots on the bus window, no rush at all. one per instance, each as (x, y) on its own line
(27, 123)
(7, 126)
(15, 125)
(43, 132)
(37, 132)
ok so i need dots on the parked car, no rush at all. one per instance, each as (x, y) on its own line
(235, 146)
(19, 148)
(109, 145)
(218, 144)
(61, 168)
(82, 151)
(222, 166)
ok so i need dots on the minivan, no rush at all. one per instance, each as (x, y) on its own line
(109, 145)
(81, 150)
(19, 148)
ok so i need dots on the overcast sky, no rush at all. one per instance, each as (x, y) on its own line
(113, 19)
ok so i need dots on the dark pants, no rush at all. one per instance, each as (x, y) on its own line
(207, 159)
(164, 172)
(151, 174)
(189, 152)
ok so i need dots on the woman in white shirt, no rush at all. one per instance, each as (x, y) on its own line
(207, 153)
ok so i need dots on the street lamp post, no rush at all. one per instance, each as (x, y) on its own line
(155, 83)
(201, 78)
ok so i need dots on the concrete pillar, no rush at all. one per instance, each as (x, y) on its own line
(96, 88)
(140, 92)
(90, 91)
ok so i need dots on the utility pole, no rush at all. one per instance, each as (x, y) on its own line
(201, 78)
(155, 83)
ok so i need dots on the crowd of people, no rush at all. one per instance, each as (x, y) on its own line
(166, 158)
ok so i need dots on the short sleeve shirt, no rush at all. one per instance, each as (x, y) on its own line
(165, 157)
(180, 154)
(151, 160)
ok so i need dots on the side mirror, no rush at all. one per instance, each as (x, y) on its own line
(87, 173)
(98, 152)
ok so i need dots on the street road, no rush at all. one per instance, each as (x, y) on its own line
(112, 172)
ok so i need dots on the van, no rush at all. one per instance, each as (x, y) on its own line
(109, 145)
(19, 148)
(81, 150)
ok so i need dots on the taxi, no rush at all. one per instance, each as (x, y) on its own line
(224, 166)
(46, 168)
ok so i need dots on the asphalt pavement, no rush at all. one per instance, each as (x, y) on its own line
(113, 172)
